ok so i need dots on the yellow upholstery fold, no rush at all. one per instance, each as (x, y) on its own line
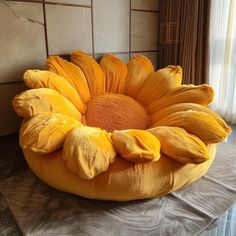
(46, 132)
(88, 151)
(159, 83)
(72, 73)
(179, 145)
(139, 68)
(92, 71)
(36, 101)
(115, 72)
(189, 106)
(46, 79)
(137, 146)
(201, 94)
(201, 124)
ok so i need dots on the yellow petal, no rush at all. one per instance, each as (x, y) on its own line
(136, 145)
(199, 123)
(201, 94)
(115, 72)
(46, 132)
(72, 73)
(88, 151)
(36, 101)
(139, 68)
(92, 71)
(159, 83)
(189, 106)
(177, 144)
(46, 79)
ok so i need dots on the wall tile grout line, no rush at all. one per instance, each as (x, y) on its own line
(92, 54)
(68, 4)
(92, 28)
(54, 3)
(114, 53)
(129, 29)
(12, 82)
(140, 51)
(25, 1)
(143, 10)
(45, 27)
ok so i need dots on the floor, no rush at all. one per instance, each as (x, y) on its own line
(11, 163)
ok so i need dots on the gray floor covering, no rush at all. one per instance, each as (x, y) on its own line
(41, 210)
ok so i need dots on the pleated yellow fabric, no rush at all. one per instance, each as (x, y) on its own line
(116, 132)
(179, 145)
(137, 146)
(159, 83)
(139, 67)
(35, 101)
(92, 71)
(189, 106)
(201, 94)
(115, 72)
(46, 79)
(201, 124)
(88, 151)
(46, 132)
(72, 73)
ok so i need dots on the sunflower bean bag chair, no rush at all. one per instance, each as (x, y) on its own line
(114, 131)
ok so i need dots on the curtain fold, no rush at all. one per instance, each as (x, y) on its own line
(222, 58)
(183, 37)
(169, 32)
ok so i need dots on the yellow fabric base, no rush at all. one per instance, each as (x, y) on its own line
(123, 180)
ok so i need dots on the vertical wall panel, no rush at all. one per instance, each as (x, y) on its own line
(144, 31)
(145, 4)
(22, 42)
(111, 25)
(68, 28)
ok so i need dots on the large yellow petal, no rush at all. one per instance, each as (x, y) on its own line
(36, 101)
(115, 72)
(201, 94)
(189, 106)
(88, 151)
(199, 123)
(159, 83)
(139, 68)
(72, 73)
(46, 132)
(93, 72)
(137, 146)
(46, 79)
(177, 144)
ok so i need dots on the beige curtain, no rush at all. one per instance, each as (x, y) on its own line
(183, 37)
(222, 58)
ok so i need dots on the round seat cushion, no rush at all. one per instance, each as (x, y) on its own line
(123, 180)
(113, 131)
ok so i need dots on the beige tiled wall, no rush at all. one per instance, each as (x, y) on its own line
(33, 29)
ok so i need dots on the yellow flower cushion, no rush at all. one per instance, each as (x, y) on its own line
(115, 131)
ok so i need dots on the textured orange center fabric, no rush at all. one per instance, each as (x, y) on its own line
(116, 112)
